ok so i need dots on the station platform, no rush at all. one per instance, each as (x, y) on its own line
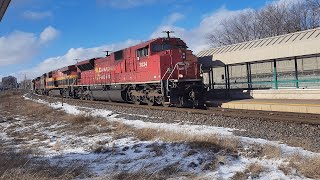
(279, 105)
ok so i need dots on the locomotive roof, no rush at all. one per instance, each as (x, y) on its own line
(89, 63)
(67, 68)
(143, 44)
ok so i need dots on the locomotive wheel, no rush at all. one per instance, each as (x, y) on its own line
(136, 100)
(151, 101)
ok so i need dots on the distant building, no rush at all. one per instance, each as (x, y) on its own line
(25, 84)
(9, 82)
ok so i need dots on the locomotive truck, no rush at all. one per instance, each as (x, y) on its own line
(160, 71)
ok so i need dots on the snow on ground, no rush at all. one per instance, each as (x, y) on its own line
(186, 129)
(129, 154)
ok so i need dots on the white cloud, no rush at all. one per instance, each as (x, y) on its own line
(48, 34)
(196, 38)
(125, 4)
(173, 18)
(32, 15)
(19, 47)
(72, 54)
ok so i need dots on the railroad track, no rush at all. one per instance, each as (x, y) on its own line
(301, 118)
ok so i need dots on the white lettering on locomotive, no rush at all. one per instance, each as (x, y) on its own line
(143, 64)
(106, 69)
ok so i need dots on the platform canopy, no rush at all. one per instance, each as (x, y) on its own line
(289, 45)
(3, 7)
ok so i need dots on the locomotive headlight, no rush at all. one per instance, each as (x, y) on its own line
(201, 75)
(180, 75)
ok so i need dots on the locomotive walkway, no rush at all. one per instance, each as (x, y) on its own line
(278, 105)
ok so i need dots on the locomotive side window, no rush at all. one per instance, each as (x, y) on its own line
(166, 47)
(161, 47)
(118, 55)
(157, 47)
(142, 52)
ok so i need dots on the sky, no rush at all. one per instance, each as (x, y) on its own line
(37, 36)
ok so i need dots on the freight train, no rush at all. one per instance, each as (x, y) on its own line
(160, 71)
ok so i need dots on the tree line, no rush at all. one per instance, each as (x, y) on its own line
(272, 20)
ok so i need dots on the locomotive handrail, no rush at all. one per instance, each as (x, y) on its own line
(172, 71)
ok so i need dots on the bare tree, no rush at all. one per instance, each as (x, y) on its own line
(9, 82)
(272, 20)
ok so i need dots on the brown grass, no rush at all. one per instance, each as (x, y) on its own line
(271, 151)
(239, 176)
(267, 151)
(254, 170)
(210, 142)
(18, 165)
(170, 171)
(308, 166)
(285, 169)
(79, 119)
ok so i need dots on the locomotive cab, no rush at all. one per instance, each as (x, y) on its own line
(181, 83)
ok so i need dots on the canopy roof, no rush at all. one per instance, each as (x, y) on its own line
(289, 45)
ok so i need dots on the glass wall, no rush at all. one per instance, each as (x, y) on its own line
(238, 76)
(262, 75)
(309, 72)
(219, 79)
(288, 73)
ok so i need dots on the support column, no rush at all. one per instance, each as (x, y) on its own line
(249, 78)
(228, 73)
(212, 77)
(275, 77)
(226, 76)
(296, 71)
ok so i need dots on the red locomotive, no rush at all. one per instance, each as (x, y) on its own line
(161, 71)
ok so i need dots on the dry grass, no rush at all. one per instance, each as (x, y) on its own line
(267, 151)
(210, 142)
(18, 165)
(79, 119)
(254, 170)
(6, 94)
(307, 166)
(239, 176)
(32, 109)
(170, 171)
(285, 169)
(271, 151)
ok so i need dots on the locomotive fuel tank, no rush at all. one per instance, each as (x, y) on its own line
(113, 93)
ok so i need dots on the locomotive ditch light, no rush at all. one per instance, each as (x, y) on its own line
(184, 56)
(180, 75)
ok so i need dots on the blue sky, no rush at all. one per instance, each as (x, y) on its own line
(37, 36)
